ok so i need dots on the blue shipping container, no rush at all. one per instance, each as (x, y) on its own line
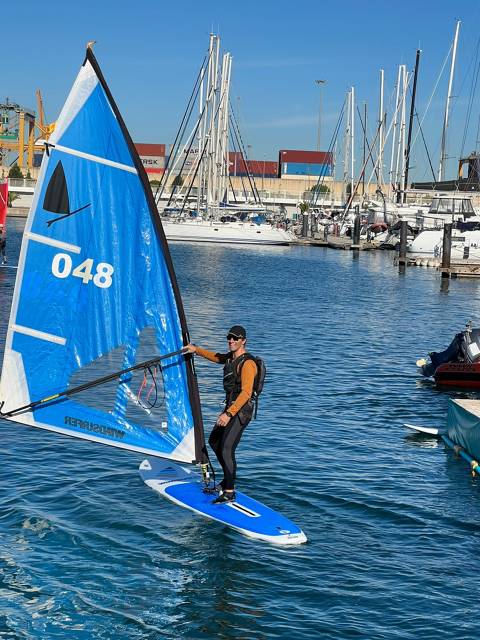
(306, 169)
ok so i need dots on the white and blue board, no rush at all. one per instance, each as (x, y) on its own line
(183, 486)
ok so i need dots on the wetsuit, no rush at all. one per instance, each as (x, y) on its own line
(238, 403)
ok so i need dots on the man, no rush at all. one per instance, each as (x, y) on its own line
(239, 373)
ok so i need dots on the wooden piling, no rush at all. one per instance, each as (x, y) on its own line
(356, 229)
(447, 249)
(402, 258)
(305, 225)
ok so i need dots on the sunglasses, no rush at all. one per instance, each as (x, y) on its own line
(232, 337)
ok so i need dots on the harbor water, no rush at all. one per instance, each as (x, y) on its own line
(87, 550)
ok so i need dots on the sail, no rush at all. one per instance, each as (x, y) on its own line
(95, 280)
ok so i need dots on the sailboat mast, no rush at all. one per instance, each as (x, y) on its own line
(394, 134)
(223, 160)
(443, 153)
(381, 133)
(410, 126)
(352, 139)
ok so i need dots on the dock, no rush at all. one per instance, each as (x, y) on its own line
(337, 242)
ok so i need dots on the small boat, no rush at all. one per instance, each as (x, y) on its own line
(459, 364)
(462, 433)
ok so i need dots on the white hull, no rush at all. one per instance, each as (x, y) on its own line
(430, 243)
(226, 232)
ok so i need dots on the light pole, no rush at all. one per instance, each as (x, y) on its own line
(320, 85)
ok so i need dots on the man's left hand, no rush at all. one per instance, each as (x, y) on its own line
(223, 420)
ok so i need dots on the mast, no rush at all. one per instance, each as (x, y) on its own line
(346, 149)
(381, 133)
(352, 139)
(443, 153)
(392, 177)
(364, 143)
(410, 126)
(201, 136)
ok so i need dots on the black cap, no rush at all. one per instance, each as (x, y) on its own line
(238, 331)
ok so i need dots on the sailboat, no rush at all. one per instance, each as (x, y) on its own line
(210, 217)
(95, 293)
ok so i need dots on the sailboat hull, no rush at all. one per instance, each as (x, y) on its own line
(253, 519)
(230, 233)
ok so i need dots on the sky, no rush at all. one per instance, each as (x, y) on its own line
(150, 53)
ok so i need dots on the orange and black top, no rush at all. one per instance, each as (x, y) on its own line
(247, 377)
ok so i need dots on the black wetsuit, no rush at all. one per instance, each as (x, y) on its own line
(224, 440)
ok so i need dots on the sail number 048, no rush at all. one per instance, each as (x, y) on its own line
(62, 267)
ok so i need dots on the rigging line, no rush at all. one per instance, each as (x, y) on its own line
(88, 385)
(242, 148)
(232, 189)
(330, 148)
(193, 97)
(433, 93)
(187, 194)
(473, 90)
(354, 191)
(425, 145)
(185, 158)
(237, 146)
(374, 164)
(186, 151)
(214, 118)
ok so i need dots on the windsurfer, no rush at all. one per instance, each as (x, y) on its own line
(3, 244)
(239, 372)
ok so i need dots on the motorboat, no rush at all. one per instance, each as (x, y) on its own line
(465, 231)
(458, 365)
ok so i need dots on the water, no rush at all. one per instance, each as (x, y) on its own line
(88, 551)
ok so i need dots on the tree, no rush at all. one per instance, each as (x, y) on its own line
(15, 172)
(178, 181)
(320, 188)
(11, 197)
(304, 207)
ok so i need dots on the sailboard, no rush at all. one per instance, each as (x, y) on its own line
(96, 310)
(184, 487)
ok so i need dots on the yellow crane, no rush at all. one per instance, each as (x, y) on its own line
(14, 120)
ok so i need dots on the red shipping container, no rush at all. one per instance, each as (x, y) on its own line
(308, 157)
(147, 149)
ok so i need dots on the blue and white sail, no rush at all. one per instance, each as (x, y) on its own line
(94, 275)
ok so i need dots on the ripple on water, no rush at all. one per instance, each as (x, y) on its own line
(87, 551)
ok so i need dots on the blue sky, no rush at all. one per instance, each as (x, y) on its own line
(150, 53)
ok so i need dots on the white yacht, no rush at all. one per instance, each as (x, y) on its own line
(227, 231)
(465, 232)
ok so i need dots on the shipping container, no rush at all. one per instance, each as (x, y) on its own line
(148, 149)
(256, 168)
(306, 169)
(310, 157)
(153, 164)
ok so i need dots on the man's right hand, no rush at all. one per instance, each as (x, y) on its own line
(190, 348)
